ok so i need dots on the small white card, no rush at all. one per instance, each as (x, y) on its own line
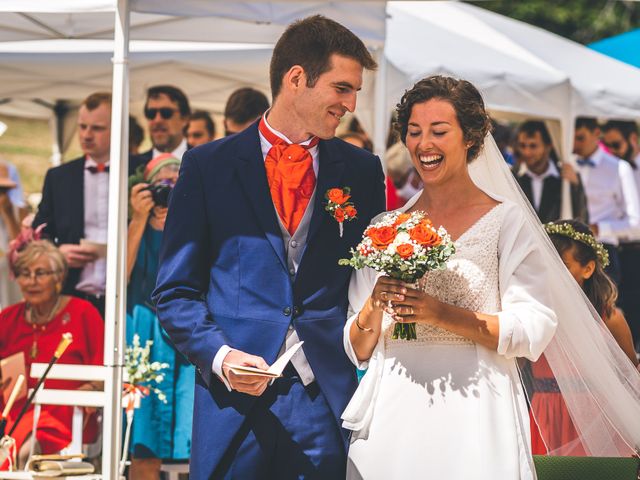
(274, 370)
(100, 249)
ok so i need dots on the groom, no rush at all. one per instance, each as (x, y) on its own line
(249, 266)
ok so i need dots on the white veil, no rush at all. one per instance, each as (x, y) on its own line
(600, 386)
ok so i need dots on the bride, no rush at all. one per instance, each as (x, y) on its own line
(451, 404)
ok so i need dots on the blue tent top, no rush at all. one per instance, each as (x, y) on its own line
(624, 47)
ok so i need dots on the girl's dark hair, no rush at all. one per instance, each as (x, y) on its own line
(600, 289)
(463, 97)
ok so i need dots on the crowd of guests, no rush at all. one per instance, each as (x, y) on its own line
(53, 271)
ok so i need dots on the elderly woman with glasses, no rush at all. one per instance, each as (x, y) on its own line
(34, 327)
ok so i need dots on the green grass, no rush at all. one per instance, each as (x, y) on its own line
(27, 144)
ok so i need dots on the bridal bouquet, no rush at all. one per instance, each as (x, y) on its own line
(404, 246)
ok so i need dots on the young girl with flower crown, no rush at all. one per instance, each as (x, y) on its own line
(586, 260)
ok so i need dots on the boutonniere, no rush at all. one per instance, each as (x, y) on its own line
(339, 206)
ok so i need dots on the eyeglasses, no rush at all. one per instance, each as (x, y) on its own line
(39, 275)
(165, 112)
(613, 145)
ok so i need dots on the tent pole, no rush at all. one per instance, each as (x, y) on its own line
(568, 131)
(115, 315)
(380, 107)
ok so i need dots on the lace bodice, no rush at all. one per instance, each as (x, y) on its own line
(470, 280)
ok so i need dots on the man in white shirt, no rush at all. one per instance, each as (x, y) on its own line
(540, 179)
(612, 196)
(75, 200)
(167, 110)
(621, 138)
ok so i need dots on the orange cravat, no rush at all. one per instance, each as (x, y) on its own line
(290, 176)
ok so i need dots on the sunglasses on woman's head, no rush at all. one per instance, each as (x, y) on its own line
(165, 112)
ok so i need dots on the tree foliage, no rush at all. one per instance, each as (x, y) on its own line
(583, 21)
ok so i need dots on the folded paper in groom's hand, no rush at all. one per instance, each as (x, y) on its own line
(274, 370)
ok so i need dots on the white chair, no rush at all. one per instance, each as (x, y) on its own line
(74, 398)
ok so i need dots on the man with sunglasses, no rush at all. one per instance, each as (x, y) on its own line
(621, 138)
(612, 196)
(167, 112)
(249, 267)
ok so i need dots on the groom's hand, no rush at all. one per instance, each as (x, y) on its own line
(249, 384)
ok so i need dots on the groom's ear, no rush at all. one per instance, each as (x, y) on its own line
(295, 78)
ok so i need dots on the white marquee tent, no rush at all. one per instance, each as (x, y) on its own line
(259, 22)
(521, 70)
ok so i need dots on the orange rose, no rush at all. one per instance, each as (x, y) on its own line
(350, 211)
(339, 215)
(403, 217)
(336, 195)
(382, 237)
(405, 250)
(424, 235)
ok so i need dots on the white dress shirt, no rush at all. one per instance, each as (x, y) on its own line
(299, 360)
(612, 197)
(93, 277)
(537, 181)
(178, 152)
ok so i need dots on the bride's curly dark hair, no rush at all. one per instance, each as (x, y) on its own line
(463, 97)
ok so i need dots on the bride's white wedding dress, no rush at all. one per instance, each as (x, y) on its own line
(443, 407)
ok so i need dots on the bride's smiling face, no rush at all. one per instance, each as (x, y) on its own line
(436, 141)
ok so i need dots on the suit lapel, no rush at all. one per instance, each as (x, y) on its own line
(525, 184)
(330, 171)
(253, 178)
(75, 190)
(550, 197)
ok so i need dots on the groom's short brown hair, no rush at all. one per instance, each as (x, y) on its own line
(310, 42)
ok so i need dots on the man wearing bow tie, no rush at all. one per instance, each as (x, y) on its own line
(75, 199)
(612, 197)
(249, 266)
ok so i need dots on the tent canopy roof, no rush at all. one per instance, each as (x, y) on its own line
(187, 20)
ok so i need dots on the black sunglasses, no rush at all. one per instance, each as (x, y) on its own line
(165, 112)
(613, 145)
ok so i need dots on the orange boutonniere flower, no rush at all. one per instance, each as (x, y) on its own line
(339, 206)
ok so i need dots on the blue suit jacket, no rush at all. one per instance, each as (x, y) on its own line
(223, 277)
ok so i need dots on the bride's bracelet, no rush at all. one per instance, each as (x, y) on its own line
(360, 327)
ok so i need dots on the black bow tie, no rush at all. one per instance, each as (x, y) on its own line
(101, 168)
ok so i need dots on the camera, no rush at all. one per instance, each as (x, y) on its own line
(160, 193)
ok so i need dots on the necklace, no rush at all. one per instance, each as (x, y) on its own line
(38, 326)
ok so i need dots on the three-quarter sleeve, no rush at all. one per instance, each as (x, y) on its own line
(526, 321)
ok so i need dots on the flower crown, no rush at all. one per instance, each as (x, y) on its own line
(566, 230)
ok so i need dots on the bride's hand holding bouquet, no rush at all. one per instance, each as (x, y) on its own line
(403, 246)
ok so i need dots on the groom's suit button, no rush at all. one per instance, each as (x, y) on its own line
(286, 311)
(292, 271)
(294, 244)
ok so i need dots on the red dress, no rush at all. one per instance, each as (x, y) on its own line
(550, 411)
(84, 322)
